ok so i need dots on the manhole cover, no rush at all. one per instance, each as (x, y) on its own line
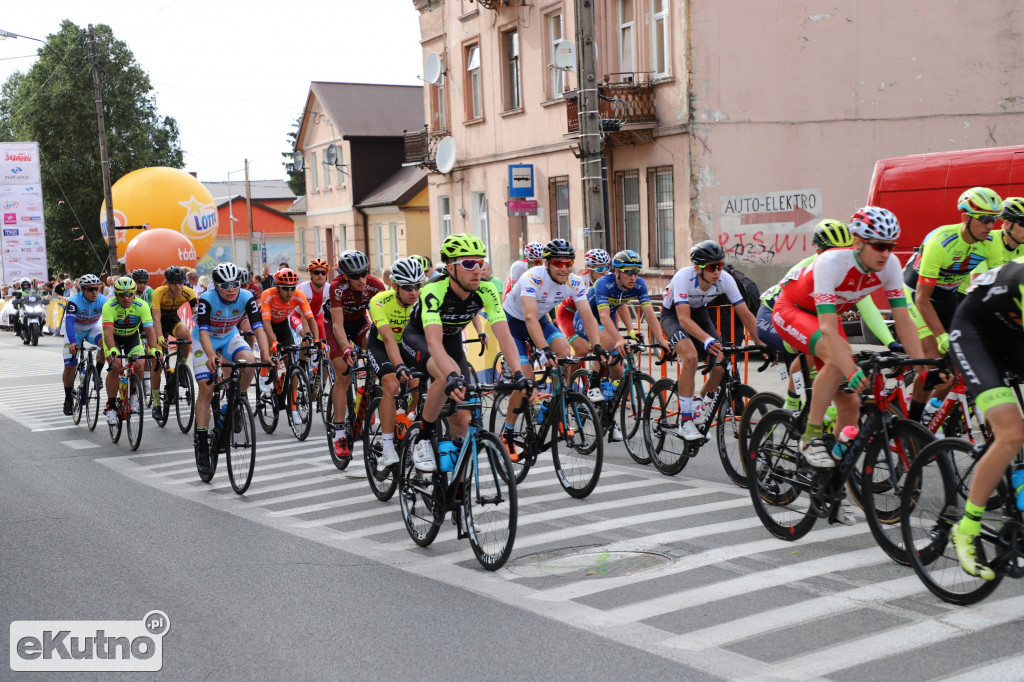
(588, 564)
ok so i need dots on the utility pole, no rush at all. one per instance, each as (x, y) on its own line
(104, 158)
(590, 125)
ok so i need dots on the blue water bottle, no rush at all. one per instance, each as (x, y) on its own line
(1017, 478)
(607, 389)
(843, 442)
(542, 412)
(448, 453)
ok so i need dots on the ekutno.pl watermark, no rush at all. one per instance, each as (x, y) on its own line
(89, 645)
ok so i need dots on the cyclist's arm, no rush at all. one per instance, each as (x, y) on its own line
(604, 313)
(907, 331)
(252, 312)
(625, 317)
(108, 331)
(876, 323)
(387, 336)
(308, 318)
(657, 335)
(922, 298)
(590, 323)
(533, 327)
(70, 315)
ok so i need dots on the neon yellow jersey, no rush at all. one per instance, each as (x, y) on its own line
(946, 260)
(998, 255)
(386, 310)
(126, 321)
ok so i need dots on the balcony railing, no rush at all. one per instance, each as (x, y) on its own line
(421, 146)
(621, 104)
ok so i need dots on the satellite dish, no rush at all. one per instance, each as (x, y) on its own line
(445, 156)
(564, 55)
(331, 157)
(297, 161)
(433, 70)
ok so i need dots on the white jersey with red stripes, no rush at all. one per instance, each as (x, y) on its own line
(835, 282)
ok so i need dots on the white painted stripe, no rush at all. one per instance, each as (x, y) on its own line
(747, 584)
(226, 483)
(53, 428)
(342, 490)
(289, 454)
(79, 444)
(1004, 670)
(904, 638)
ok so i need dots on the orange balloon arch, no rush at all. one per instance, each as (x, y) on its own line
(156, 250)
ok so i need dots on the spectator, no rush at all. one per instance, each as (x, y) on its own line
(386, 277)
(192, 280)
(283, 265)
(267, 281)
(204, 284)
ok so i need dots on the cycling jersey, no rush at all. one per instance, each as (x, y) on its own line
(770, 294)
(685, 289)
(606, 293)
(438, 304)
(998, 255)
(126, 321)
(274, 310)
(218, 317)
(353, 303)
(538, 285)
(387, 310)
(167, 302)
(835, 281)
(945, 260)
(80, 315)
(315, 298)
(514, 273)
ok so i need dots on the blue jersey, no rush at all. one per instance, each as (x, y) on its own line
(219, 317)
(606, 294)
(80, 314)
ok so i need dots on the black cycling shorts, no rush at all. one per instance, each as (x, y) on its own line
(983, 350)
(415, 352)
(377, 354)
(675, 332)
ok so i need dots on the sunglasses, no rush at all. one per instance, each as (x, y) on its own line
(562, 263)
(881, 247)
(986, 219)
(600, 268)
(90, 290)
(712, 267)
(471, 263)
(128, 295)
(358, 275)
(318, 272)
(410, 287)
(230, 285)
(284, 288)
(629, 271)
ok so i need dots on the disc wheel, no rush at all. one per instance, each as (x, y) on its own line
(631, 411)
(778, 478)
(383, 482)
(300, 404)
(661, 419)
(727, 432)
(185, 401)
(577, 448)
(240, 454)
(930, 505)
(136, 410)
(491, 502)
(419, 495)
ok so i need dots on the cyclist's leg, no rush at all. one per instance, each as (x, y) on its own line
(238, 350)
(204, 393)
(520, 334)
(70, 365)
(703, 319)
(384, 369)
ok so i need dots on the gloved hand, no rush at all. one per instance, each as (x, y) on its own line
(942, 340)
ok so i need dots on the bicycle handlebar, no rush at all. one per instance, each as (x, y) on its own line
(466, 342)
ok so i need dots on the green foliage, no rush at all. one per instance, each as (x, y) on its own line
(296, 179)
(53, 104)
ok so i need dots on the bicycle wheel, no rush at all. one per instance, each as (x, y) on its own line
(78, 395)
(500, 370)
(779, 482)
(930, 504)
(520, 434)
(300, 406)
(93, 390)
(325, 379)
(420, 496)
(727, 432)
(163, 412)
(266, 409)
(491, 502)
(185, 404)
(631, 411)
(578, 464)
(757, 407)
(665, 446)
(883, 475)
(382, 483)
(135, 414)
(115, 429)
(240, 453)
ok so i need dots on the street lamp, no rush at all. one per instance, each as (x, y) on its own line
(231, 217)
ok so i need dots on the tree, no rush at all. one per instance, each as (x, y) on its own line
(296, 178)
(53, 104)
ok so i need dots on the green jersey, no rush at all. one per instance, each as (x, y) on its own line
(946, 260)
(387, 310)
(126, 321)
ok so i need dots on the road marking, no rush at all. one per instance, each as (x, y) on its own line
(79, 444)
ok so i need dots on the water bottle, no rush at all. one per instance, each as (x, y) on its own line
(929, 410)
(122, 387)
(448, 454)
(830, 418)
(402, 422)
(542, 412)
(607, 389)
(1017, 478)
(359, 398)
(843, 442)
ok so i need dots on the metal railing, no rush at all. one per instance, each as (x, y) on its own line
(628, 103)
(421, 146)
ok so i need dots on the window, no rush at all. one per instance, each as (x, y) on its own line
(314, 170)
(510, 53)
(327, 173)
(480, 225)
(302, 245)
(559, 207)
(627, 38)
(393, 229)
(340, 163)
(444, 210)
(659, 37)
(627, 202)
(378, 230)
(660, 213)
(556, 77)
(316, 236)
(438, 106)
(474, 93)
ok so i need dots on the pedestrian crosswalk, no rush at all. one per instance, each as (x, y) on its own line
(707, 586)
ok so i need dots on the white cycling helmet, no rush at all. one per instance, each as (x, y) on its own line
(225, 272)
(89, 281)
(872, 222)
(406, 271)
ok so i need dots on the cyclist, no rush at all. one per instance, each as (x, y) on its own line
(220, 309)
(538, 292)
(347, 322)
(598, 263)
(1011, 237)
(315, 290)
(276, 306)
(123, 316)
(82, 321)
(167, 300)
(533, 256)
(432, 341)
(985, 338)
(143, 291)
(806, 316)
(390, 313)
(685, 316)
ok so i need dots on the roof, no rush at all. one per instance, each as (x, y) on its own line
(262, 190)
(369, 110)
(298, 208)
(398, 189)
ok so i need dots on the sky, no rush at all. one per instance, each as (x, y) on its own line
(235, 74)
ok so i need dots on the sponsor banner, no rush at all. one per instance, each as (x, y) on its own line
(23, 240)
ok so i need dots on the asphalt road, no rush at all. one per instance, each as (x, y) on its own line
(308, 576)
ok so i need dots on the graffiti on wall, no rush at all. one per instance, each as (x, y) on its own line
(769, 228)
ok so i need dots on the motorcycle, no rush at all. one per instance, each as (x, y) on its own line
(31, 318)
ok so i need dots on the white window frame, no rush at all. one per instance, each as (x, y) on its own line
(481, 224)
(475, 78)
(661, 29)
(513, 78)
(327, 172)
(378, 229)
(627, 53)
(442, 110)
(313, 169)
(556, 80)
(444, 212)
(341, 162)
(393, 234)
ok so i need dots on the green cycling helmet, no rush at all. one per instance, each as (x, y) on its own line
(979, 201)
(124, 285)
(460, 245)
(832, 234)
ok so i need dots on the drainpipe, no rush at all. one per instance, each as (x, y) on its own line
(696, 230)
